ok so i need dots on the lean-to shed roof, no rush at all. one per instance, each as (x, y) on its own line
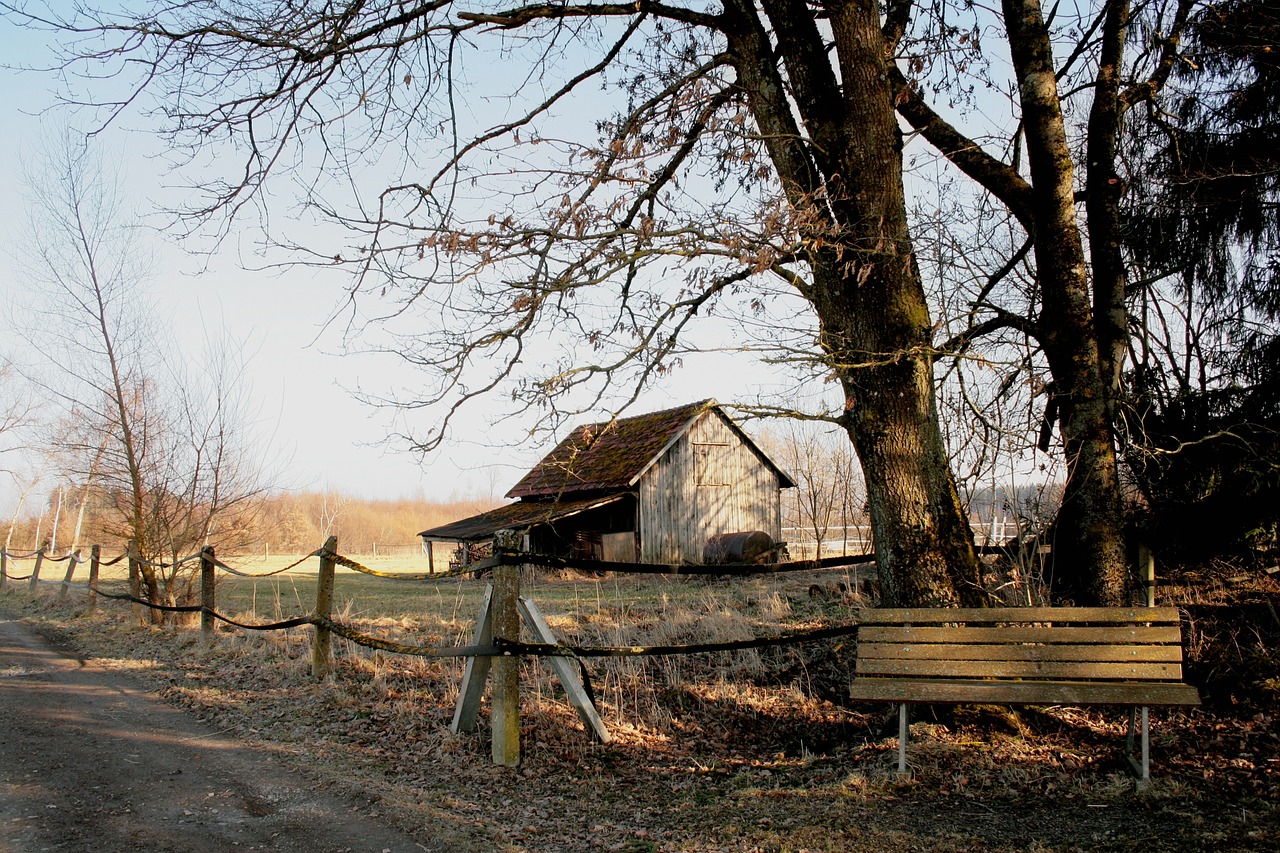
(613, 455)
(514, 516)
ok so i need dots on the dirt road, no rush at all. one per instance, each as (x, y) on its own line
(90, 761)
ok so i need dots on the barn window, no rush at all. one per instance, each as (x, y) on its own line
(711, 464)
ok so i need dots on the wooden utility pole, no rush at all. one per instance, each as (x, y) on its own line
(322, 642)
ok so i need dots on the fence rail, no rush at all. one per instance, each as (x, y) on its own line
(857, 539)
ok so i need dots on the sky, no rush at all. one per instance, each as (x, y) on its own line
(322, 437)
(309, 421)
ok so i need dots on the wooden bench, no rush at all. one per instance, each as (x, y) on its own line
(1126, 656)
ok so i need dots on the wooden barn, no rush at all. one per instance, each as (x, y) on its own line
(652, 488)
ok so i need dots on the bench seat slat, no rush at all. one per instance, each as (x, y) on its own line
(1119, 653)
(1023, 692)
(987, 615)
(1019, 669)
(1020, 634)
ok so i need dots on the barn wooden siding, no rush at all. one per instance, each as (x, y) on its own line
(708, 482)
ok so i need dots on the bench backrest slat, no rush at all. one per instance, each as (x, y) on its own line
(988, 615)
(1022, 643)
(1020, 669)
(1022, 652)
(1017, 655)
(1067, 634)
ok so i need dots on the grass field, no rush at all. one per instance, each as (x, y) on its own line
(615, 610)
(770, 601)
(609, 610)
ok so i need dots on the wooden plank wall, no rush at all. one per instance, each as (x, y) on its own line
(708, 483)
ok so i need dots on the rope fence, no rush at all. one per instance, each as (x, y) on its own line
(504, 558)
(497, 638)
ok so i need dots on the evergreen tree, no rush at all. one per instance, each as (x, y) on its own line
(1203, 437)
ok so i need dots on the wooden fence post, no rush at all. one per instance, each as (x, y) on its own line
(1147, 574)
(505, 672)
(476, 671)
(207, 602)
(72, 559)
(322, 643)
(574, 690)
(35, 571)
(135, 585)
(4, 567)
(95, 561)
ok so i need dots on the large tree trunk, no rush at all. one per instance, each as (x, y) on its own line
(846, 191)
(924, 548)
(1089, 563)
(1102, 204)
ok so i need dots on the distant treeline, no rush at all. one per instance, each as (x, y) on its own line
(291, 522)
(274, 523)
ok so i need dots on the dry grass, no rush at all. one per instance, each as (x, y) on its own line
(745, 751)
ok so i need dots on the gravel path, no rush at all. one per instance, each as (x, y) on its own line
(90, 761)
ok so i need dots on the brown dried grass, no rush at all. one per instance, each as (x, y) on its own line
(742, 751)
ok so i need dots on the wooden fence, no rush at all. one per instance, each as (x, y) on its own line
(494, 655)
(496, 648)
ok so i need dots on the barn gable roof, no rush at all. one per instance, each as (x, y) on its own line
(613, 455)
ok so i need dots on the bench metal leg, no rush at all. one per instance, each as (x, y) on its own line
(1141, 769)
(904, 732)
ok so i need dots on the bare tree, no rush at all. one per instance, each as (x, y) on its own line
(16, 413)
(745, 175)
(161, 447)
(1075, 75)
(829, 494)
(16, 409)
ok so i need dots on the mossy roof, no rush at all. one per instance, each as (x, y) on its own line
(613, 455)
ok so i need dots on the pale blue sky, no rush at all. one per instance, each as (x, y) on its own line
(298, 379)
(279, 315)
